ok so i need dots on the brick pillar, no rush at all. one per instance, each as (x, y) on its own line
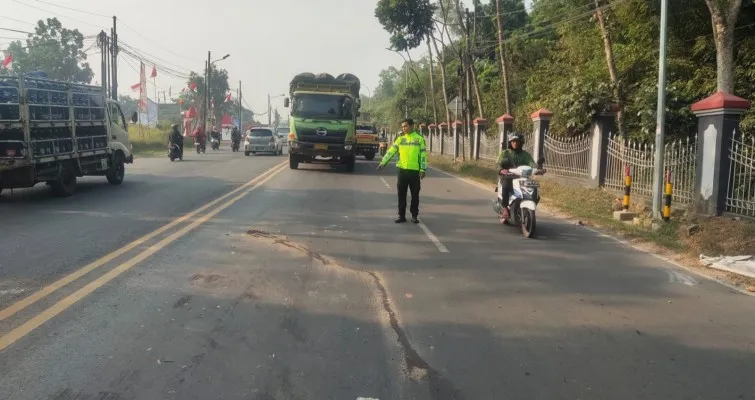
(443, 130)
(480, 125)
(458, 130)
(603, 124)
(542, 121)
(433, 128)
(505, 126)
(718, 117)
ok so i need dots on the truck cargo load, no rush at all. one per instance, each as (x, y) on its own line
(53, 131)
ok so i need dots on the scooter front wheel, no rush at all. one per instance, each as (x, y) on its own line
(529, 223)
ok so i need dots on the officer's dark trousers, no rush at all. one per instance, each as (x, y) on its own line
(408, 180)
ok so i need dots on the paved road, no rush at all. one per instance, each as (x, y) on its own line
(300, 286)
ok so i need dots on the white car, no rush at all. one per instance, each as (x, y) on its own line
(262, 140)
(283, 132)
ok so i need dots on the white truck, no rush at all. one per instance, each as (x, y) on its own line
(53, 131)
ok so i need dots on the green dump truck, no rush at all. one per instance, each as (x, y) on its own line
(323, 115)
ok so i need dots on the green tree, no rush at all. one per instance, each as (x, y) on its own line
(218, 90)
(54, 50)
(276, 118)
(408, 21)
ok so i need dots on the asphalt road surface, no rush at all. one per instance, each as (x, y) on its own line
(232, 277)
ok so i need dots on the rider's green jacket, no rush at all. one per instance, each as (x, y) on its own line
(412, 152)
(510, 158)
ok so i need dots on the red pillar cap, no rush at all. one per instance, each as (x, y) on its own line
(541, 113)
(480, 121)
(457, 122)
(504, 117)
(432, 125)
(443, 124)
(721, 100)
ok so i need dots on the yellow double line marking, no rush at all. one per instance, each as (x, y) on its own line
(63, 304)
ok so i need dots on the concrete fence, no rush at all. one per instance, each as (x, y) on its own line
(713, 170)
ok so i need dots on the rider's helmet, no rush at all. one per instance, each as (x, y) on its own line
(516, 136)
(174, 127)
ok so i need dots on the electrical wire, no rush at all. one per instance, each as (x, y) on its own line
(73, 9)
(58, 14)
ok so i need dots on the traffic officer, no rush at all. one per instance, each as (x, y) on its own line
(412, 164)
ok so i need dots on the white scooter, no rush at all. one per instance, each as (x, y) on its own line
(214, 143)
(523, 199)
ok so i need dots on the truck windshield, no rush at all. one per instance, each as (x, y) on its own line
(261, 133)
(322, 106)
(366, 129)
(284, 130)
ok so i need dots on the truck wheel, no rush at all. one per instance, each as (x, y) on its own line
(293, 161)
(117, 171)
(369, 156)
(350, 163)
(65, 186)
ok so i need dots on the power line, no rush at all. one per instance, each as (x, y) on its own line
(74, 9)
(16, 30)
(58, 14)
(142, 52)
(153, 42)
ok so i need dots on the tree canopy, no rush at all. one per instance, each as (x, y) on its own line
(408, 21)
(218, 89)
(557, 59)
(54, 50)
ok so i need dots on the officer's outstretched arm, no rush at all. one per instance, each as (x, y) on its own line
(391, 152)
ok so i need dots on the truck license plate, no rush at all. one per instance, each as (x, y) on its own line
(321, 146)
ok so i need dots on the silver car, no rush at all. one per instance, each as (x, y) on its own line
(262, 140)
(283, 132)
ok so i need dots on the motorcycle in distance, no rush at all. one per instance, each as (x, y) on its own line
(174, 152)
(214, 143)
(523, 198)
(199, 146)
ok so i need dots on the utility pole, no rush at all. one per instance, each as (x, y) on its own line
(468, 93)
(114, 65)
(241, 109)
(269, 117)
(406, 86)
(660, 129)
(206, 93)
(104, 53)
(108, 64)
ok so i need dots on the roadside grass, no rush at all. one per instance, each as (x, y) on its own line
(147, 141)
(684, 237)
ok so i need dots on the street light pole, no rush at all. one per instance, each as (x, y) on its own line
(206, 94)
(660, 129)
(269, 118)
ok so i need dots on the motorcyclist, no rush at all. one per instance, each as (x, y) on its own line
(215, 134)
(512, 157)
(199, 137)
(176, 137)
(235, 135)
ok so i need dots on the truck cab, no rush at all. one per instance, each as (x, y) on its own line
(322, 121)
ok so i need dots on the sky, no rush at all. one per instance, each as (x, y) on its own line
(269, 41)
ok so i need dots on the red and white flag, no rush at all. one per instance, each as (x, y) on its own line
(8, 60)
(228, 98)
(135, 87)
(154, 72)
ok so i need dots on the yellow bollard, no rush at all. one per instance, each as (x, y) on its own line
(627, 187)
(668, 191)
